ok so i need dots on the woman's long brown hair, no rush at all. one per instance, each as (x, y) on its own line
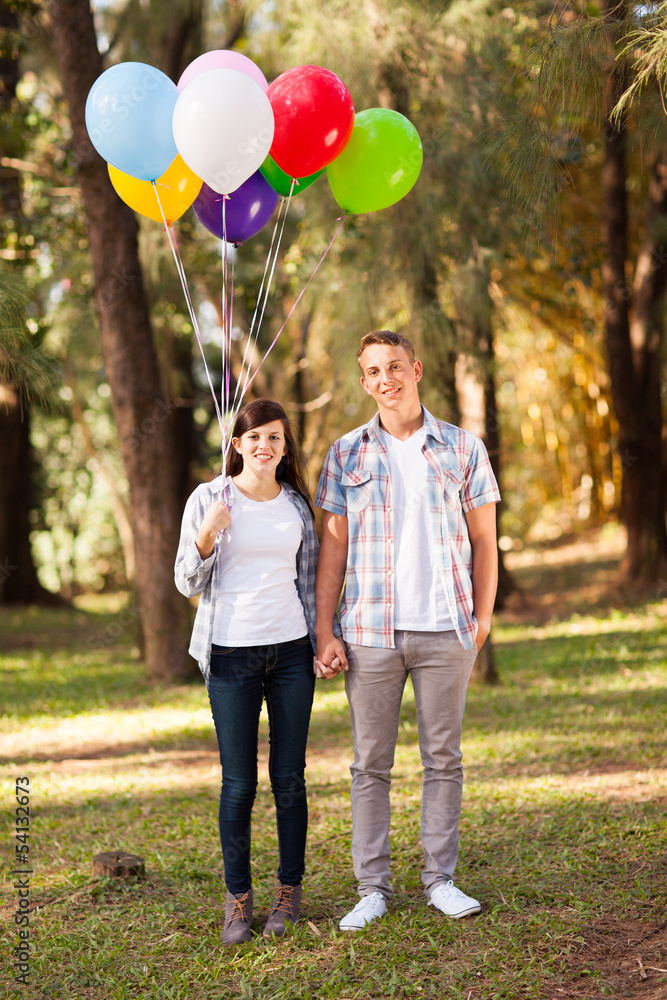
(290, 469)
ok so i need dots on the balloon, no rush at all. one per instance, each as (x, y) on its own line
(177, 189)
(314, 119)
(248, 209)
(280, 181)
(128, 117)
(380, 163)
(223, 127)
(222, 59)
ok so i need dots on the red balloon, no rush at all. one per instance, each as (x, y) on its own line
(314, 117)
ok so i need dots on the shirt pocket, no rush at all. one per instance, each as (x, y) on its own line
(451, 488)
(357, 485)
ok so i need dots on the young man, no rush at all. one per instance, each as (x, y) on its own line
(410, 525)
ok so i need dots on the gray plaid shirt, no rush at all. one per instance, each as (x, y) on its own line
(194, 575)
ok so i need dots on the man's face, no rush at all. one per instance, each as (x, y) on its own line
(390, 377)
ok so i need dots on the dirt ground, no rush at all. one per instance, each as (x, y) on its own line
(616, 960)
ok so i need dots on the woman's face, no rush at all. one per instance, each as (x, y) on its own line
(262, 448)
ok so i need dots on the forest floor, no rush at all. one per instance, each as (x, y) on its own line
(563, 833)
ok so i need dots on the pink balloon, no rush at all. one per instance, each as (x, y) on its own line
(222, 59)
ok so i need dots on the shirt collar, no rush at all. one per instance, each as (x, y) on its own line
(431, 426)
(216, 488)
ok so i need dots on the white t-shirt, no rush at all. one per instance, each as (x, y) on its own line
(419, 598)
(258, 603)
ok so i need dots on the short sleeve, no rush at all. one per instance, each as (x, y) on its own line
(480, 486)
(330, 492)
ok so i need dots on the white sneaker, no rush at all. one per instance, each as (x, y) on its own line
(450, 900)
(368, 908)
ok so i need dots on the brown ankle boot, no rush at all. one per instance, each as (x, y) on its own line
(286, 908)
(238, 918)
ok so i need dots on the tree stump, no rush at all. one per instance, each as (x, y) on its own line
(119, 864)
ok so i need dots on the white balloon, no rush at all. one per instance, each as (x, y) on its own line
(223, 127)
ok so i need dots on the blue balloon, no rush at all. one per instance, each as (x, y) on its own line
(128, 117)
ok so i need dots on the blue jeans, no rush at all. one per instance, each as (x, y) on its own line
(240, 678)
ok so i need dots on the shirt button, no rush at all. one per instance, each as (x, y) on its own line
(391, 572)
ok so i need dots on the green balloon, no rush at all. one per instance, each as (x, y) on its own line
(282, 182)
(380, 163)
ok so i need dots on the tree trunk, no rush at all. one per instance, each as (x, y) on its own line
(438, 333)
(633, 361)
(19, 583)
(182, 38)
(300, 377)
(144, 417)
(645, 520)
(18, 577)
(506, 584)
(476, 308)
(484, 668)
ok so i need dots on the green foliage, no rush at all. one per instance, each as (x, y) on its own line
(75, 537)
(23, 363)
(646, 48)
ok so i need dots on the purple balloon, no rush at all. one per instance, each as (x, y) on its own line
(248, 209)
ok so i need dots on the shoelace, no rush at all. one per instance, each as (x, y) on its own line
(284, 902)
(240, 908)
(363, 904)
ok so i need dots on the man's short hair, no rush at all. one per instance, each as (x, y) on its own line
(387, 337)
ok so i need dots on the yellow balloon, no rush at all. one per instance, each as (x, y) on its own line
(177, 188)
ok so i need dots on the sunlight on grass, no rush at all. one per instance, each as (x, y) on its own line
(90, 732)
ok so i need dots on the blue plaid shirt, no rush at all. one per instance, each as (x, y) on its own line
(194, 575)
(355, 483)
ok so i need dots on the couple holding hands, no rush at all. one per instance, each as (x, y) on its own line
(410, 531)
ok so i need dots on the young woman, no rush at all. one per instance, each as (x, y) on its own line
(251, 552)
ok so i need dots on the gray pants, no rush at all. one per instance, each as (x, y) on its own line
(440, 668)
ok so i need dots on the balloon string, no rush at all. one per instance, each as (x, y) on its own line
(272, 260)
(300, 296)
(173, 243)
(224, 400)
(247, 381)
(250, 341)
(230, 322)
(263, 296)
(230, 301)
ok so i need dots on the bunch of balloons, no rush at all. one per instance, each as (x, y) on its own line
(224, 135)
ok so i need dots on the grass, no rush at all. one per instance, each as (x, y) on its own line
(563, 835)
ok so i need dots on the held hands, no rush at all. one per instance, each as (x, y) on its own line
(331, 658)
(216, 519)
(323, 672)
